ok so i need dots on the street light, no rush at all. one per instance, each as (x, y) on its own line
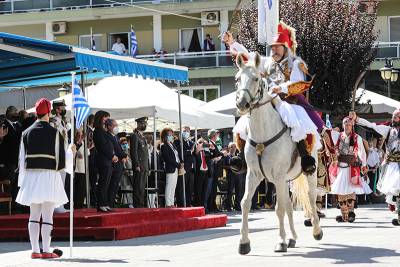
(389, 74)
(63, 91)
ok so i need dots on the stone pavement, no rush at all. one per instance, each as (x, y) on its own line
(371, 241)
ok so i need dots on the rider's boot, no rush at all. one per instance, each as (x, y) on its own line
(308, 164)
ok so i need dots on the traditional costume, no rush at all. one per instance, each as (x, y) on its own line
(43, 155)
(290, 75)
(389, 183)
(346, 171)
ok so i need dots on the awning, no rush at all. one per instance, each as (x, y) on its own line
(29, 58)
(124, 65)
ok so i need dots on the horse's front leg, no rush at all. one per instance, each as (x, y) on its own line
(289, 212)
(281, 204)
(312, 194)
(251, 184)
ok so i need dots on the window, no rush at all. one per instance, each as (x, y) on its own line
(84, 41)
(191, 40)
(204, 93)
(112, 39)
(394, 29)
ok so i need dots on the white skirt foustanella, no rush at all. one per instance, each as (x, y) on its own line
(343, 186)
(389, 183)
(294, 116)
(40, 186)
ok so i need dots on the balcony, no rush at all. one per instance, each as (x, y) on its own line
(387, 50)
(22, 6)
(194, 60)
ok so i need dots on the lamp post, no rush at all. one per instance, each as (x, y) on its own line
(389, 74)
(63, 91)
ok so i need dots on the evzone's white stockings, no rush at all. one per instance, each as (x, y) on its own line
(44, 210)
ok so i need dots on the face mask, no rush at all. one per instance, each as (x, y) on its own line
(125, 146)
(116, 130)
(170, 138)
(185, 135)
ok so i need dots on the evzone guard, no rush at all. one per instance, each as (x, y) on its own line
(43, 156)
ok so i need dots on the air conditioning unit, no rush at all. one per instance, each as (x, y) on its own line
(209, 18)
(59, 27)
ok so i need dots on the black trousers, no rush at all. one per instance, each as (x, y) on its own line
(234, 183)
(189, 185)
(93, 178)
(105, 172)
(116, 176)
(200, 187)
(139, 185)
(79, 189)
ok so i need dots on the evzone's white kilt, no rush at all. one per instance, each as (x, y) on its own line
(294, 116)
(389, 183)
(343, 186)
(38, 186)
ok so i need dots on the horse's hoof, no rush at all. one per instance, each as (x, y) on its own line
(352, 217)
(396, 222)
(281, 247)
(319, 236)
(291, 243)
(339, 218)
(244, 249)
(307, 223)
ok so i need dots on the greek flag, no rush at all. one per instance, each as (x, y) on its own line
(133, 43)
(81, 106)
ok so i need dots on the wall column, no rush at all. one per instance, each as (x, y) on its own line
(224, 22)
(49, 31)
(157, 32)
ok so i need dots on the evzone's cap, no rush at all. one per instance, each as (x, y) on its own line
(43, 106)
(347, 120)
(396, 113)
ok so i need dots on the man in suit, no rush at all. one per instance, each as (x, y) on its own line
(9, 148)
(234, 180)
(208, 44)
(118, 165)
(188, 160)
(216, 170)
(140, 162)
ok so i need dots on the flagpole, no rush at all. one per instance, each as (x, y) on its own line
(71, 186)
(91, 41)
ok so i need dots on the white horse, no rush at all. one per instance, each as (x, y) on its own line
(270, 156)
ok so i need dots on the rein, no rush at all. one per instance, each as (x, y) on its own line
(255, 100)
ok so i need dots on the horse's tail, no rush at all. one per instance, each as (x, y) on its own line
(300, 194)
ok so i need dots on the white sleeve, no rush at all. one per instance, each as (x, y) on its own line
(21, 164)
(381, 129)
(69, 160)
(237, 48)
(296, 75)
(361, 151)
(335, 136)
(241, 127)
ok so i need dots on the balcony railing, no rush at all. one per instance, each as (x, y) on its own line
(387, 50)
(194, 60)
(21, 6)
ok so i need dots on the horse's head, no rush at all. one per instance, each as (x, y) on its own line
(249, 89)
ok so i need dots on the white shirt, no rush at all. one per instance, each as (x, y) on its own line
(373, 159)
(118, 48)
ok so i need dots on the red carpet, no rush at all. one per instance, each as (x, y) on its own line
(117, 225)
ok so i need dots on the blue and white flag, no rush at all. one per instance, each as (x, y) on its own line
(268, 20)
(134, 45)
(80, 105)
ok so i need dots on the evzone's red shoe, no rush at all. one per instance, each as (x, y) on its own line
(35, 255)
(392, 208)
(50, 255)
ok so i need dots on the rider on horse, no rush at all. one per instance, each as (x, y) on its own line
(285, 74)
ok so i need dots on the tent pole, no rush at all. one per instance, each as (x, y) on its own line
(24, 96)
(181, 142)
(155, 156)
(86, 155)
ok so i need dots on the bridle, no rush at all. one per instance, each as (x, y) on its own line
(255, 100)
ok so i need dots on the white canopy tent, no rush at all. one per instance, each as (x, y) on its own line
(380, 103)
(127, 98)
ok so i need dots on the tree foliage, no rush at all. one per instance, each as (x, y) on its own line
(335, 38)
